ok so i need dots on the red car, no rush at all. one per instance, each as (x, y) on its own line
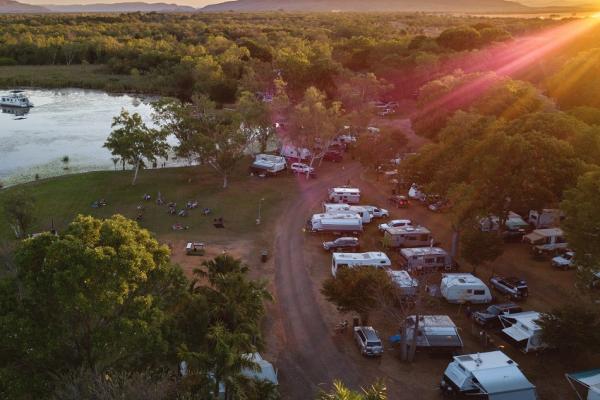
(399, 201)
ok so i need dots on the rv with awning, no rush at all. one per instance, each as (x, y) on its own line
(425, 259)
(334, 208)
(346, 195)
(490, 375)
(586, 384)
(434, 333)
(336, 223)
(522, 329)
(546, 240)
(407, 236)
(350, 260)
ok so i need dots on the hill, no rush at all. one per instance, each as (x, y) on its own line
(488, 6)
(14, 7)
(119, 7)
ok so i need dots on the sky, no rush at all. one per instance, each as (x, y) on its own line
(201, 3)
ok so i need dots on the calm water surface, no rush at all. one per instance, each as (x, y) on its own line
(65, 122)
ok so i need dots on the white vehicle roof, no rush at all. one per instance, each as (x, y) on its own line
(372, 256)
(461, 279)
(527, 319)
(348, 215)
(549, 232)
(423, 251)
(269, 158)
(496, 374)
(434, 321)
(344, 190)
(406, 229)
(402, 278)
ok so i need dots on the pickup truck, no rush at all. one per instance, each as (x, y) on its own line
(514, 287)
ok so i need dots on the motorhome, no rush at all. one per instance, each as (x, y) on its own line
(407, 236)
(585, 384)
(346, 195)
(546, 218)
(350, 260)
(523, 330)
(407, 285)
(337, 223)
(546, 240)
(490, 375)
(434, 333)
(514, 224)
(334, 208)
(464, 288)
(295, 153)
(426, 259)
(268, 164)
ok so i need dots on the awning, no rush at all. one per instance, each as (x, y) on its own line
(533, 237)
(517, 334)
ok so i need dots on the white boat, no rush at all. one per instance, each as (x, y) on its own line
(16, 98)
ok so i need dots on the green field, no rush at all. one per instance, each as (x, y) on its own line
(60, 199)
(84, 76)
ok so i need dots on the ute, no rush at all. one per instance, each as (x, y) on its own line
(516, 288)
(490, 317)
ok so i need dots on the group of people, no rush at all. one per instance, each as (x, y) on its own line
(172, 210)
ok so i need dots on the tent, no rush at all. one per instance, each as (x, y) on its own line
(586, 384)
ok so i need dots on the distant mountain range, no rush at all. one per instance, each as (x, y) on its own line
(454, 6)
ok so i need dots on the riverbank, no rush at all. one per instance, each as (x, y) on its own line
(59, 200)
(84, 76)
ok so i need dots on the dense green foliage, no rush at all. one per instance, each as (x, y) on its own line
(340, 392)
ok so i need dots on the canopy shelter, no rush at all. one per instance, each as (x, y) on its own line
(586, 384)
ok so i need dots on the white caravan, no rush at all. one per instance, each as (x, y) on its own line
(335, 208)
(296, 153)
(546, 240)
(547, 218)
(346, 195)
(491, 376)
(522, 329)
(350, 260)
(406, 284)
(426, 259)
(464, 288)
(408, 236)
(336, 223)
(585, 384)
(268, 163)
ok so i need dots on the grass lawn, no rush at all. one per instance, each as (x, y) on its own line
(61, 199)
(81, 76)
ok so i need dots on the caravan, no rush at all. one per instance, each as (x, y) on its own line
(426, 259)
(268, 164)
(350, 260)
(408, 236)
(523, 330)
(334, 208)
(464, 288)
(491, 376)
(346, 195)
(548, 240)
(547, 218)
(435, 333)
(336, 223)
(406, 284)
(585, 384)
(294, 153)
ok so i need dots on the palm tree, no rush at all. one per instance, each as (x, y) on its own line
(377, 391)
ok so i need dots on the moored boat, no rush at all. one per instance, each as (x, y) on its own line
(16, 98)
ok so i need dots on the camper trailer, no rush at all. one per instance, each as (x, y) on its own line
(350, 260)
(268, 164)
(514, 226)
(522, 329)
(334, 208)
(337, 223)
(547, 218)
(426, 259)
(436, 333)
(408, 236)
(585, 384)
(464, 288)
(344, 195)
(548, 240)
(295, 153)
(406, 284)
(491, 376)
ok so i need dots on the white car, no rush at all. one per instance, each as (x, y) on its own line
(564, 261)
(395, 223)
(301, 168)
(377, 212)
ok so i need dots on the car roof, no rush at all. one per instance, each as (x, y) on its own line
(369, 333)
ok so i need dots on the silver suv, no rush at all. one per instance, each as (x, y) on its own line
(368, 341)
(342, 243)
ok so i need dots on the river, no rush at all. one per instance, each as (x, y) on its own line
(63, 122)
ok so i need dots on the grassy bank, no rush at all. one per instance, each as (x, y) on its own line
(81, 76)
(60, 199)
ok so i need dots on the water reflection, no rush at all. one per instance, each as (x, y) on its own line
(18, 111)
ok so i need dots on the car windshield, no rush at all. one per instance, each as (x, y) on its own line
(374, 344)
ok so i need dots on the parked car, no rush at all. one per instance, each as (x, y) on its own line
(368, 341)
(399, 201)
(377, 212)
(514, 287)
(439, 206)
(489, 317)
(333, 156)
(565, 260)
(395, 223)
(342, 243)
(301, 168)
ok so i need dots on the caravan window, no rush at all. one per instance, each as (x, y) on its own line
(439, 260)
(469, 291)
(560, 239)
(479, 292)
(429, 260)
